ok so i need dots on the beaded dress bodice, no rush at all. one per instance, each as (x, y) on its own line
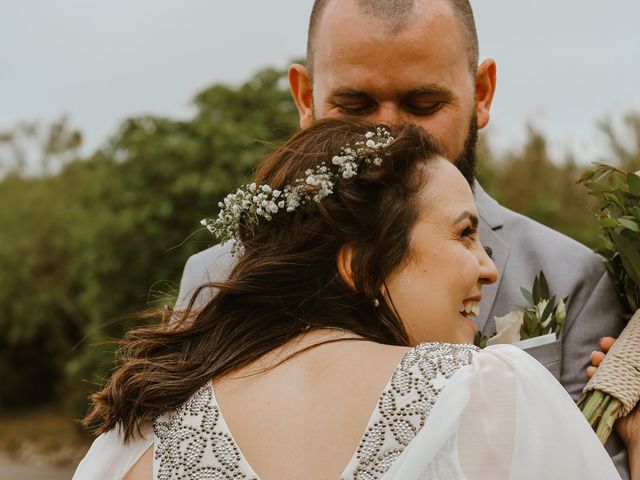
(194, 442)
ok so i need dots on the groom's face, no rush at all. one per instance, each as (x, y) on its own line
(418, 73)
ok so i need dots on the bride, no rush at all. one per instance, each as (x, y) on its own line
(356, 245)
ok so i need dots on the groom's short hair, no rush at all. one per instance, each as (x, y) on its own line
(397, 14)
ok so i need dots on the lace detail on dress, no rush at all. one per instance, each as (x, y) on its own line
(405, 405)
(192, 444)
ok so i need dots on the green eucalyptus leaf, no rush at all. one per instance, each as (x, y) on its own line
(629, 224)
(525, 329)
(535, 293)
(549, 308)
(598, 189)
(607, 222)
(614, 198)
(602, 173)
(619, 183)
(587, 175)
(544, 286)
(633, 181)
(629, 255)
(630, 198)
(526, 294)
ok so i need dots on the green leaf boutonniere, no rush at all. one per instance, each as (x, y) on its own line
(542, 319)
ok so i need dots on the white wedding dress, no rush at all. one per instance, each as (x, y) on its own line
(449, 412)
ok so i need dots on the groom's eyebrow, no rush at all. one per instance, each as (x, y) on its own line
(428, 89)
(466, 214)
(348, 92)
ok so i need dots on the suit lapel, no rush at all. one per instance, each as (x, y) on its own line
(500, 256)
(491, 222)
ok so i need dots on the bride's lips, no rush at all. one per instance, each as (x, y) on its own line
(470, 308)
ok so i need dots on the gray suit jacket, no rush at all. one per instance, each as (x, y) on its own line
(520, 248)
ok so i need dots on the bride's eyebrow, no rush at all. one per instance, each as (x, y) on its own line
(466, 214)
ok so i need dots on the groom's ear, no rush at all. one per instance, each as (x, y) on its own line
(343, 262)
(302, 92)
(485, 88)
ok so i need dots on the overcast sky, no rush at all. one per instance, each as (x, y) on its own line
(562, 64)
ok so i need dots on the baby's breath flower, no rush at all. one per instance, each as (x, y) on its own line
(252, 202)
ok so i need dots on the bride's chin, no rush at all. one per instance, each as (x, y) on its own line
(470, 328)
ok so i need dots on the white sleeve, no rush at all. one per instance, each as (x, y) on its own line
(211, 265)
(109, 458)
(504, 417)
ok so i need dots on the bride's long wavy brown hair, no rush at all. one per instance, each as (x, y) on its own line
(287, 281)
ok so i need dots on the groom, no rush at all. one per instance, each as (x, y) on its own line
(394, 61)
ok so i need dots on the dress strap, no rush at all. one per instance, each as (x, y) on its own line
(193, 442)
(405, 405)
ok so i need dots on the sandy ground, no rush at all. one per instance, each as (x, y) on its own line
(10, 470)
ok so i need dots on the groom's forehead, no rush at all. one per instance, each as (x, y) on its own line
(340, 24)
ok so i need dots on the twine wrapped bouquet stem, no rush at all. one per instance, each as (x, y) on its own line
(616, 383)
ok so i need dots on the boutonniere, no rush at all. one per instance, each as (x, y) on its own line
(538, 323)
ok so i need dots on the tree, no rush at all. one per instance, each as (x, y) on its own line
(31, 148)
(626, 151)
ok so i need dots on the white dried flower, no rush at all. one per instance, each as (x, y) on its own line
(561, 312)
(540, 308)
(508, 328)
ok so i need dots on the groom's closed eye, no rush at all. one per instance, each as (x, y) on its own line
(352, 102)
(424, 102)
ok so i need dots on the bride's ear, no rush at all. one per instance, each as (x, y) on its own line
(343, 262)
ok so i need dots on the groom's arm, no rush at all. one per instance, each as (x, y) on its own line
(595, 312)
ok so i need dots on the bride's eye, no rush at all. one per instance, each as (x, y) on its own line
(468, 233)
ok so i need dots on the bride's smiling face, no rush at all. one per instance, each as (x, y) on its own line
(438, 287)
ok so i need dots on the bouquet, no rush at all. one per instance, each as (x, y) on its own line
(614, 390)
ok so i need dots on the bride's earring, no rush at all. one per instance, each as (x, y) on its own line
(376, 302)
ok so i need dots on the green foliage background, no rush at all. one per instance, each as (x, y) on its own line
(90, 240)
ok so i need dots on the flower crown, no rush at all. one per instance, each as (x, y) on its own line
(252, 203)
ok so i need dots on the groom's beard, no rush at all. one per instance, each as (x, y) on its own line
(467, 160)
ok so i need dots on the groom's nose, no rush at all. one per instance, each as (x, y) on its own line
(389, 113)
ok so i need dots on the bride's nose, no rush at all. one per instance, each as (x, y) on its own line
(488, 270)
